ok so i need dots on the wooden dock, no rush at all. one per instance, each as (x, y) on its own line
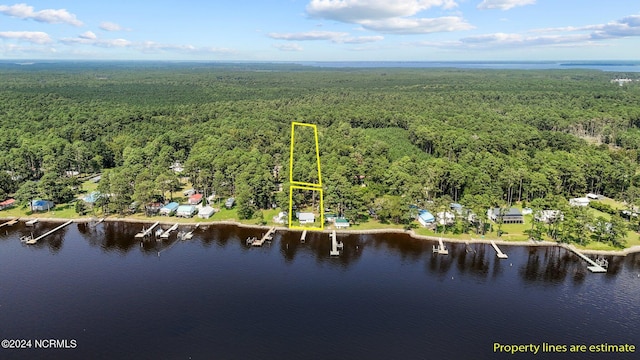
(440, 249)
(335, 245)
(31, 222)
(165, 235)
(267, 236)
(33, 241)
(303, 238)
(9, 223)
(146, 232)
(95, 223)
(499, 253)
(596, 268)
(189, 235)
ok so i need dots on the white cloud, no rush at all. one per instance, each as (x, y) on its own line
(88, 35)
(36, 37)
(309, 35)
(569, 36)
(504, 4)
(110, 26)
(336, 37)
(50, 16)
(288, 47)
(388, 16)
(154, 47)
(360, 39)
(418, 26)
(354, 11)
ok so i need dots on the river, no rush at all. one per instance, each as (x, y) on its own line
(104, 295)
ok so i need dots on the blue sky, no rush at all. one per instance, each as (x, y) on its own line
(321, 30)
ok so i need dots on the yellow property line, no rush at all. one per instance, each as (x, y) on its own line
(305, 185)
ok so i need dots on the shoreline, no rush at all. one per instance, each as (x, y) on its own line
(411, 233)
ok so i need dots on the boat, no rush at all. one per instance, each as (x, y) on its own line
(250, 240)
(26, 238)
(159, 232)
(31, 222)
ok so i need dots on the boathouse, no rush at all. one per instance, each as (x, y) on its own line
(169, 209)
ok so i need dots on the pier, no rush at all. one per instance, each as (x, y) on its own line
(335, 245)
(268, 236)
(499, 253)
(165, 235)
(189, 235)
(146, 232)
(31, 222)
(96, 222)
(33, 241)
(303, 238)
(440, 249)
(595, 267)
(9, 223)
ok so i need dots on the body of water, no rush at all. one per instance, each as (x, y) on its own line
(615, 66)
(384, 297)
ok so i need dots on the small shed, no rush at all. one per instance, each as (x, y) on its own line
(189, 192)
(195, 199)
(341, 223)
(425, 218)
(186, 211)
(169, 209)
(7, 203)
(42, 205)
(206, 212)
(229, 203)
(306, 218)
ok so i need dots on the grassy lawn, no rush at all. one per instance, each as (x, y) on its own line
(614, 204)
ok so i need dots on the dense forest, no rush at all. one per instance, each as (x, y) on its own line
(389, 138)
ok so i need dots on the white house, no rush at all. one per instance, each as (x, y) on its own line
(445, 218)
(306, 218)
(341, 223)
(583, 201)
(281, 218)
(186, 211)
(206, 212)
(547, 216)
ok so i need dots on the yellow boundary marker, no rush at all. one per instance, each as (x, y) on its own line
(315, 135)
(305, 185)
(293, 187)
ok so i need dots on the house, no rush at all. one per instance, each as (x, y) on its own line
(592, 196)
(169, 209)
(341, 223)
(510, 216)
(176, 167)
(186, 211)
(229, 203)
(425, 218)
(281, 218)
(206, 212)
(583, 201)
(548, 216)
(195, 199)
(445, 218)
(456, 207)
(306, 218)
(42, 205)
(330, 218)
(153, 208)
(7, 204)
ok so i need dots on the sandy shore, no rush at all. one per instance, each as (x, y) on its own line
(167, 221)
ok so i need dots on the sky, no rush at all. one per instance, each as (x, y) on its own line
(321, 30)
